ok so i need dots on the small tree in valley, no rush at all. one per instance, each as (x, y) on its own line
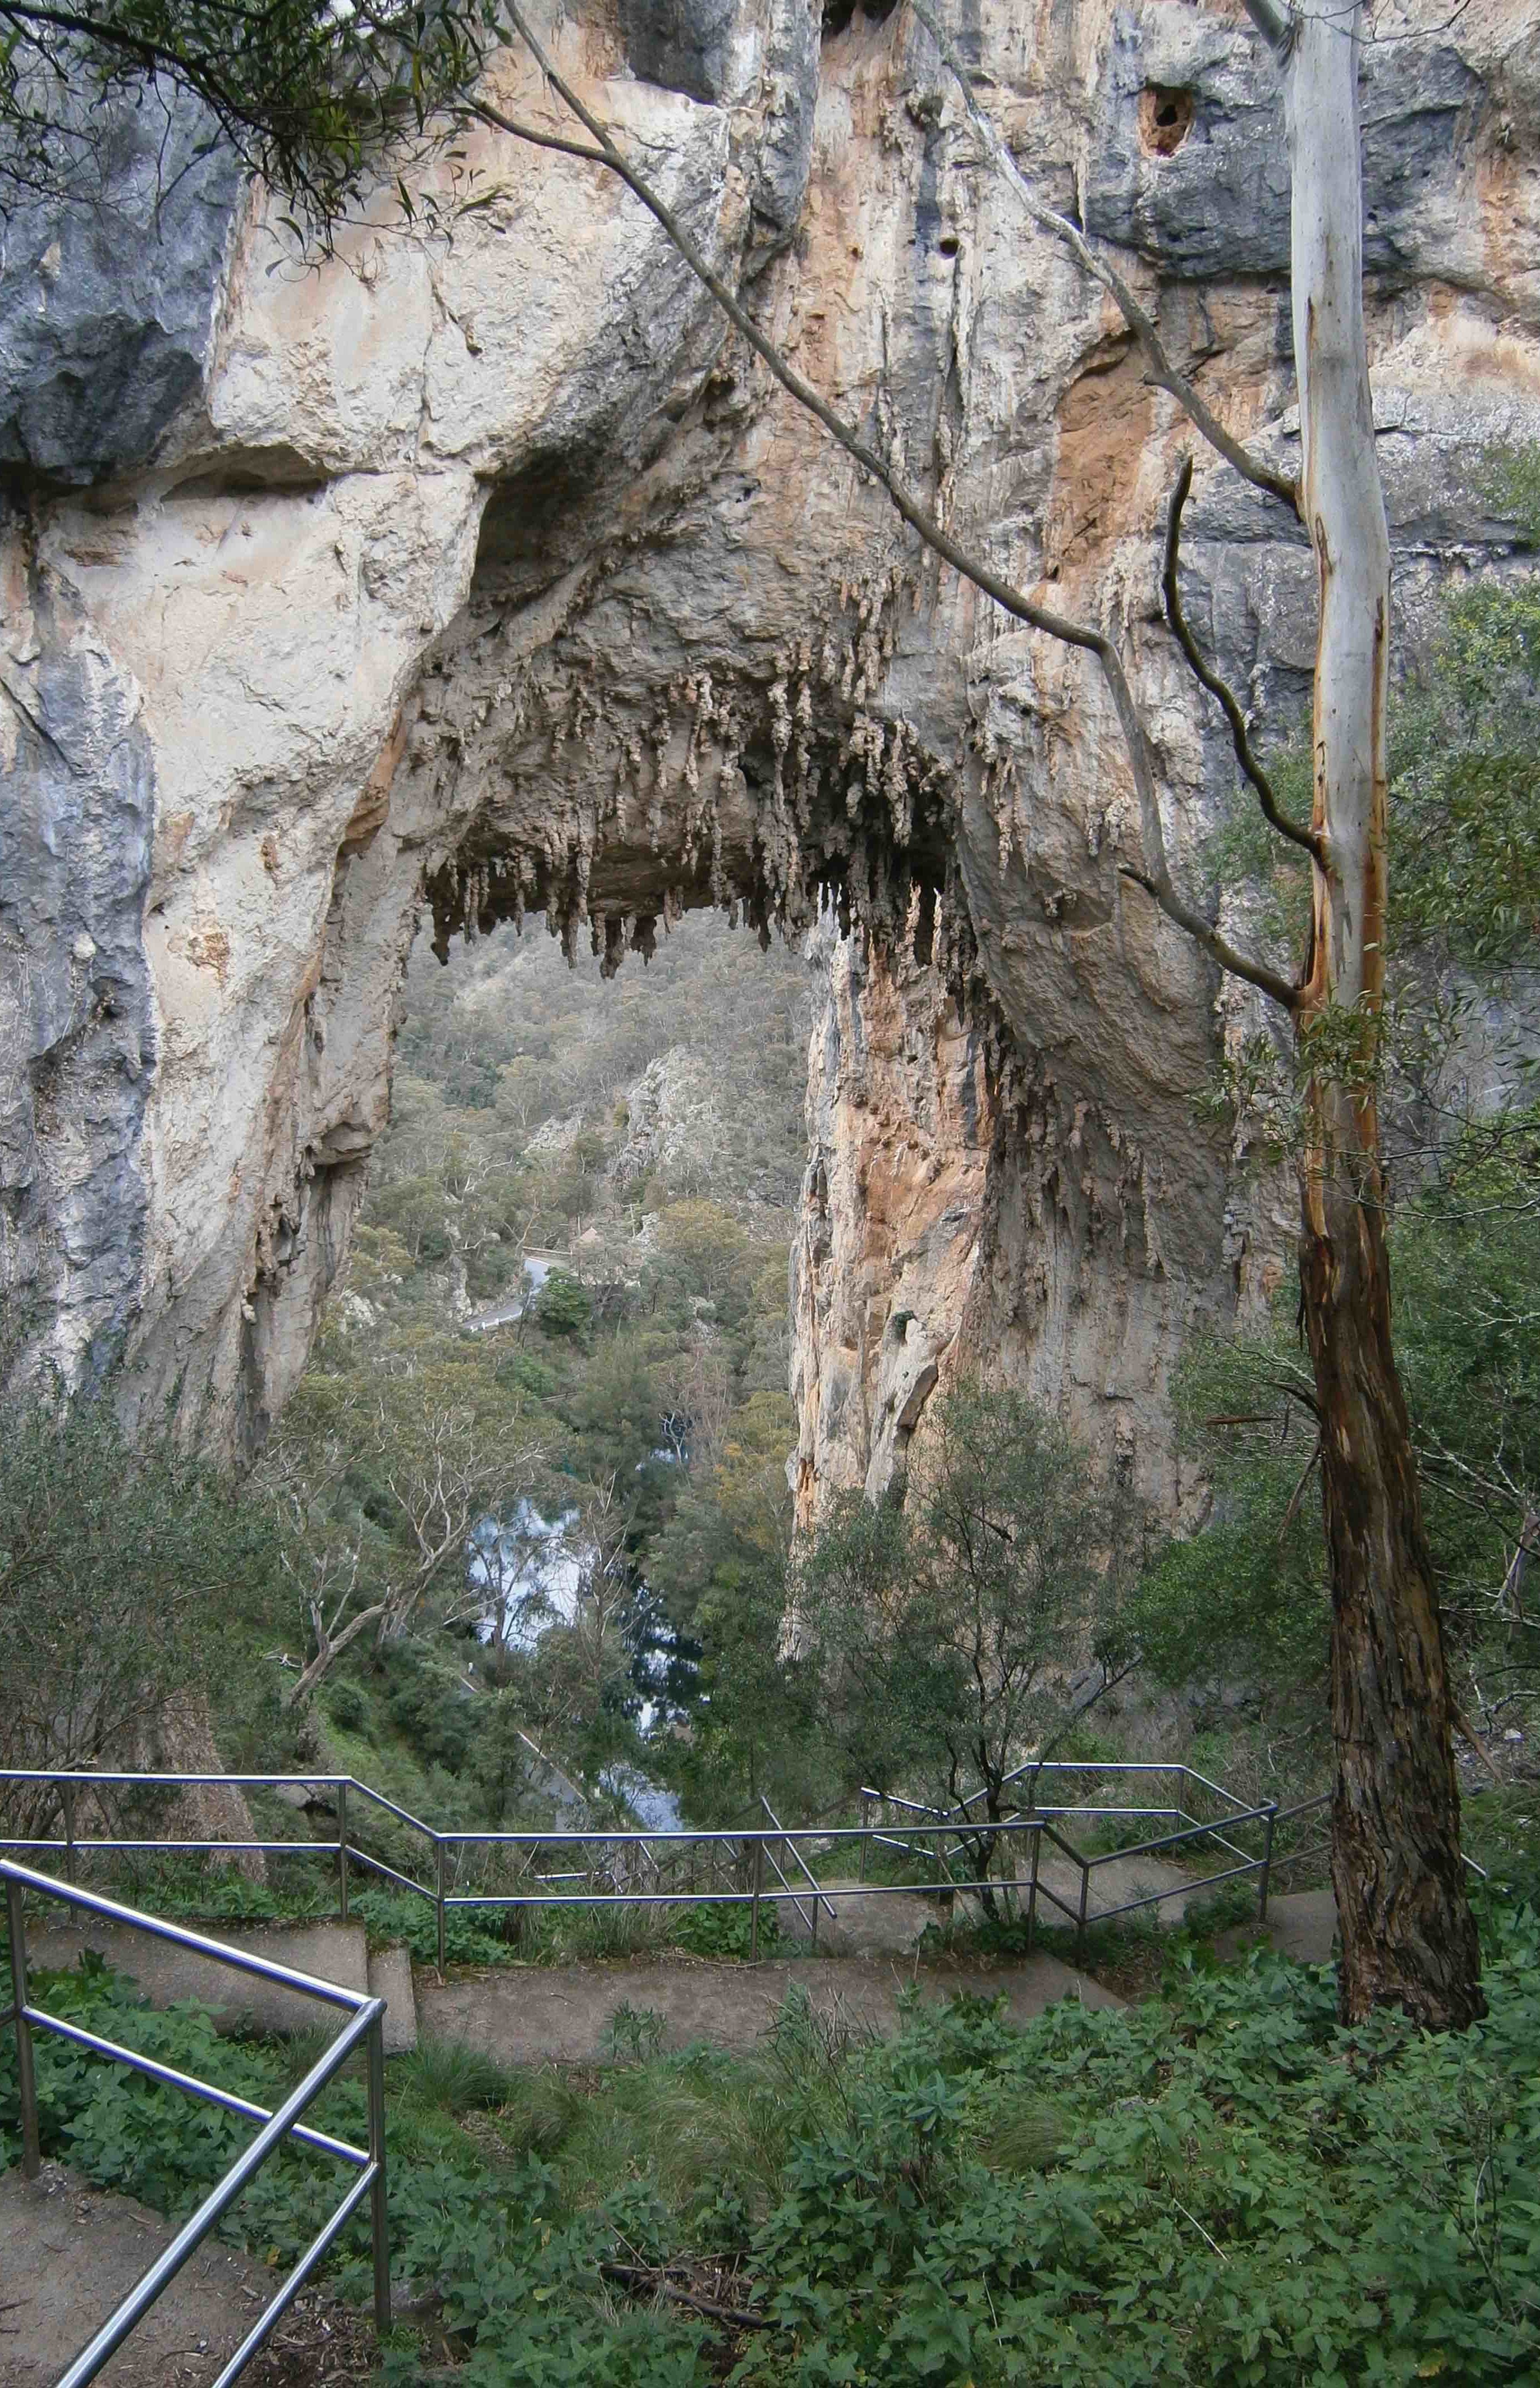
(971, 1630)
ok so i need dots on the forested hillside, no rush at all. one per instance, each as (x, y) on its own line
(609, 1430)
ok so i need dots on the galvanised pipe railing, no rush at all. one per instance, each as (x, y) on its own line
(365, 2027)
(736, 1856)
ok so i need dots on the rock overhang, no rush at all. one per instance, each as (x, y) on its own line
(502, 575)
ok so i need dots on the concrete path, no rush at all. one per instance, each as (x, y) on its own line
(332, 1952)
(866, 1922)
(533, 2015)
(891, 1921)
(1301, 1925)
(68, 2253)
(1169, 1889)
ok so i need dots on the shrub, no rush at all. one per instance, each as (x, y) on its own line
(117, 1561)
(397, 1918)
(346, 1705)
(563, 1307)
(722, 1927)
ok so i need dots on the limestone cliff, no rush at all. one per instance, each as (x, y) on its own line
(496, 576)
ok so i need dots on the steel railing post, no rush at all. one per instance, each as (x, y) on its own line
(439, 1901)
(1266, 1861)
(754, 1904)
(342, 1851)
(67, 1792)
(26, 2073)
(865, 1845)
(1085, 1900)
(379, 2217)
(1036, 1831)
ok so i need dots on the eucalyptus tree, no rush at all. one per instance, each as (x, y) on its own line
(316, 98)
(1409, 1936)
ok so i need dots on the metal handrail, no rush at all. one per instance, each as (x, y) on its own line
(611, 1861)
(794, 1851)
(366, 2014)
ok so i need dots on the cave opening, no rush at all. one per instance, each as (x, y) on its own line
(570, 1273)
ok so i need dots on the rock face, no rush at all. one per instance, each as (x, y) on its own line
(496, 576)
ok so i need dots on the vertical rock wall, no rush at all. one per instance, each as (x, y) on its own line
(498, 577)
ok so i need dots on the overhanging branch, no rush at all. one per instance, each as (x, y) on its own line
(1274, 21)
(1155, 877)
(1204, 671)
(1161, 370)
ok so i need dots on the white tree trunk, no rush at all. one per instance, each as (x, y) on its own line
(1341, 501)
(1407, 1935)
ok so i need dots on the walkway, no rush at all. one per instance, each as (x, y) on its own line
(70, 2252)
(533, 2015)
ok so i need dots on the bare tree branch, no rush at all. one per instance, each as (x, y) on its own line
(1155, 877)
(1161, 370)
(1274, 21)
(1309, 839)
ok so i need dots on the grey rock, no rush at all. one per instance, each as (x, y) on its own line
(695, 660)
(106, 298)
(77, 1037)
(1217, 206)
(786, 151)
(684, 45)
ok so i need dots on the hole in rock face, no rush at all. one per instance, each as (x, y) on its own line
(1165, 118)
(838, 14)
(948, 245)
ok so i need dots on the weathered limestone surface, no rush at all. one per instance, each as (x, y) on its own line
(498, 573)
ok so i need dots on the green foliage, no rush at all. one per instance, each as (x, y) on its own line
(187, 1889)
(562, 1305)
(1220, 2188)
(1464, 767)
(573, 1933)
(1464, 804)
(643, 1385)
(315, 100)
(724, 1928)
(346, 1705)
(1246, 1600)
(119, 1562)
(634, 2034)
(1466, 758)
(721, 1562)
(1245, 854)
(941, 1634)
(449, 2074)
(393, 1917)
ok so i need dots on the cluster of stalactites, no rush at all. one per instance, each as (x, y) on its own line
(770, 803)
(1070, 1155)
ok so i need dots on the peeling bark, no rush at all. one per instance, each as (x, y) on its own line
(1409, 1937)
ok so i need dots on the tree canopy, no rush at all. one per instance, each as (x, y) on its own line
(955, 1636)
(315, 96)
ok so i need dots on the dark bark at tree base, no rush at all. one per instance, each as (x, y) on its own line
(1409, 1937)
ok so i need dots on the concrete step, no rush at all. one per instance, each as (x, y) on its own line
(1301, 1925)
(332, 1952)
(537, 2014)
(391, 1979)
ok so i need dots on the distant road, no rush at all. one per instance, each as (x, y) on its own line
(537, 1268)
